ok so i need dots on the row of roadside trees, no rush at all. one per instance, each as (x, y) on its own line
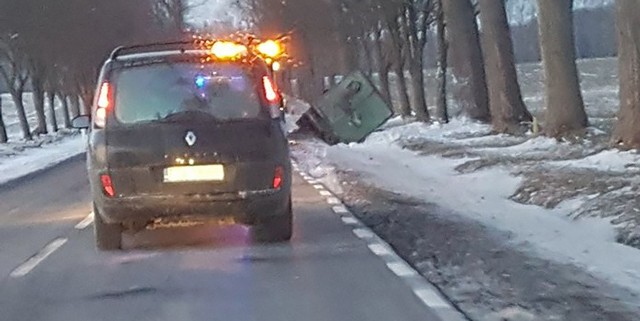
(53, 49)
(388, 37)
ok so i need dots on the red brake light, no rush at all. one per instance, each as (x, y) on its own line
(278, 177)
(270, 90)
(107, 185)
(104, 96)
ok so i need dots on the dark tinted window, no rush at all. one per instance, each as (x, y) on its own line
(157, 91)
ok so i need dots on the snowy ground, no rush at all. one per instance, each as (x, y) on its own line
(565, 207)
(19, 158)
(489, 197)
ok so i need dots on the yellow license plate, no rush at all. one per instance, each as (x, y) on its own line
(198, 173)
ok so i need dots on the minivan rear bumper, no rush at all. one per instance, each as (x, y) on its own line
(244, 207)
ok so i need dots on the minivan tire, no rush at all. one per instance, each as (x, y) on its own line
(274, 229)
(108, 236)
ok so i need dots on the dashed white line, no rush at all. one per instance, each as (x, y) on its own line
(340, 209)
(379, 249)
(428, 296)
(401, 269)
(431, 298)
(333, 200)
(349, 220)
(31, 263)
(363, 233)
(85, 222)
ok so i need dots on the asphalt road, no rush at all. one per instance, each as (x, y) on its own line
(50, 270)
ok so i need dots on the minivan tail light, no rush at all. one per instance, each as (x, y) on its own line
(107, 185)
(104, 96)
(104, 103)
(270, 90)
(278, 177)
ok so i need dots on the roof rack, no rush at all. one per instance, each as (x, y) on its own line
(175, 45)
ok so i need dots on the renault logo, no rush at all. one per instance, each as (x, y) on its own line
(190, 138)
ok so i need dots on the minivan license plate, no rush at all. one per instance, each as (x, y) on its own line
(199, 173)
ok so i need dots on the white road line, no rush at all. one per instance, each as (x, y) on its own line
(401, 269)
(349, 220)
(340, 209)
(325, 193)
(85, 222)
(31, 263)
(379, 249)
(333, 201)
(313, 181)
(431, 298)
(318, 186)
(363, 233)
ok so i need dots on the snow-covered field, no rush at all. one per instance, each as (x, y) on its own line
(19, 158)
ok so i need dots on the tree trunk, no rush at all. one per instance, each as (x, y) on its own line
(627, 131)
(565, 115)
(22, 115)
(3, 129)
(382, 67)
(468, 65)
(508, 111)
(38, 102)
(75, 105)
(52, 110)
(404, 107)
(419, 101)
(395, 31)
(416, 64)
(367, 65)
(65, 110)
(442, 112)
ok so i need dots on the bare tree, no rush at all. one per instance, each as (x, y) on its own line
(3, 129)
(51, 100)
(442, 112)
(396, 47)
(172, 13)
(419, 17)
(468, 66)
(565, 115)
(382, 63)
(627, 131)
(38, 78)
(13, 69)
(508, 111)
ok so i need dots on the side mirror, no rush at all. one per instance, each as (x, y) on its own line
(81, 122)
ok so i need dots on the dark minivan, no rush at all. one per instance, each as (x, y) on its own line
(179, 135)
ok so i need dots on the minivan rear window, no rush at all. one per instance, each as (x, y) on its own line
(155, 92)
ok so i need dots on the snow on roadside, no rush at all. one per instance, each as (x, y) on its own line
(19, 158)
(31, 160)
(608, 160)
(295, 109)
(483, 196)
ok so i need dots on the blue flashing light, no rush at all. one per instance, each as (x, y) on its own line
(201, 81)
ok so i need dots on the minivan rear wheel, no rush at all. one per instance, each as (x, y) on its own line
(108, 236)
(274, 229)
